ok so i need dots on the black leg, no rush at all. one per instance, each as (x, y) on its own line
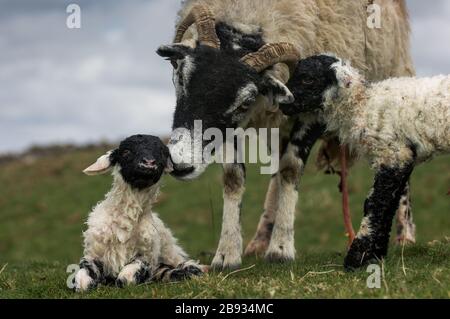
(371, 243)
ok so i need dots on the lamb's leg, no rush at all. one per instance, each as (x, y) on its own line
(372, 240)
(303, 138)
(137, 271)
(183, 271)
(260, 242)
(171, 252)
(406, 229)
(229, 252)
(173, 258)
(89, 275)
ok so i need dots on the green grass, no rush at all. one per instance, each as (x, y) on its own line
(43, 206)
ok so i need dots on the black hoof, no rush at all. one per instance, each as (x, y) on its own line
(120, 283)
(194, 271)
(361, 253)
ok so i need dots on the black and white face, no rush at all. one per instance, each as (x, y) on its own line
(215, 88)
(141, 160)
(313, 76)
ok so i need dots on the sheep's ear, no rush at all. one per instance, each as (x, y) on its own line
(276, 91)
(173, 52)
(101, 166)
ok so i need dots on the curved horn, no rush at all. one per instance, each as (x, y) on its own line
(206, 26)
(271, 54)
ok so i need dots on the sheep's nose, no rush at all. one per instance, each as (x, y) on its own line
(148, 164)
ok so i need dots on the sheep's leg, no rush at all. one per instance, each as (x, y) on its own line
(185, 270)
(372, 240)
(229, 252)
(260, 242)
(293, 161)
(90, 274)
(406, 229)
(137, 271)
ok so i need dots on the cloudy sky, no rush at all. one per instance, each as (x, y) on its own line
(104, 81)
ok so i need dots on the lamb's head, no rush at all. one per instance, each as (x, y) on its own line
(140, 159)
(318, 77)
(216, 87)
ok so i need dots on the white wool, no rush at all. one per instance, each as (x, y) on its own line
(385, 119)
(123, 226)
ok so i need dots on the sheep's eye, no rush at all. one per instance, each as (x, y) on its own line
(247, 104)
(307, 81)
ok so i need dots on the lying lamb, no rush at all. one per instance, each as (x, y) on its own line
(396, 124)
(126, 242)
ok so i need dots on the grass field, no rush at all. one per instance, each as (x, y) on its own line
(44, 204)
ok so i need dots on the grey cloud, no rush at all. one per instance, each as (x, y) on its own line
(102, 81)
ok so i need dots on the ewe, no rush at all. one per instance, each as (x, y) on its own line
(231, 61)
(396, 124)
(126, 243)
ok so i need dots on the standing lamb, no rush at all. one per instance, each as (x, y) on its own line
(126, 243)
(231, 61)
(396, 124)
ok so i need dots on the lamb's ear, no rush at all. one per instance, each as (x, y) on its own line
(276, 91)
(101, 166)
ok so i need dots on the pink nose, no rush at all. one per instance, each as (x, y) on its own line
(149, 164)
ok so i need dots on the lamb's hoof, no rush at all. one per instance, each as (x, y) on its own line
(406, 234)
(193, 270)
(120, 283)
(127, 276)
(280, 254)
(360, 255)
(83, 282)
(400, 240)
(186, 273)
(256, 248)
(406, 239)
(225, 262)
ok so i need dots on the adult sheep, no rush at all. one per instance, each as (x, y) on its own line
(232, 60)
